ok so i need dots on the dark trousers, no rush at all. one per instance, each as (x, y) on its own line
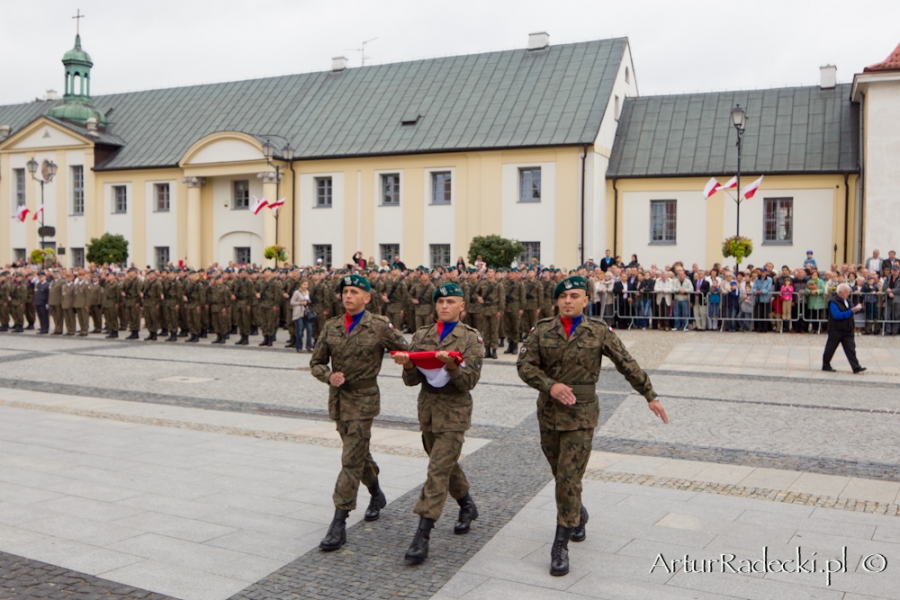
(844, 339)
(44, 317)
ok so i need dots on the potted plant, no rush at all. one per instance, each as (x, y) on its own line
(738, 247)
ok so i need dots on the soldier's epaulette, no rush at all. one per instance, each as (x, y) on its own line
(546, 320)
(600, 322)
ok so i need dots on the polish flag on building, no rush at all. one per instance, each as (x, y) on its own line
(750, 190)
(22, 213)
(258, 205)
(274, 206)
(712, 186)
(432, 368)
(37, 213)
(732, 183)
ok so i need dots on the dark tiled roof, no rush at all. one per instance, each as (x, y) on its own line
(508, 99)
(789, 130)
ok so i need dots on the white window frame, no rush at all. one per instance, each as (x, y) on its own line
(115, 199)
(391, 255)
(381, 179)
(328, 258)
(431, 180)
(528, 254)
(664, 202)
(329, 192)
(157, 188)
(19, 191)
(431, 249)
(78, 257)
(157, 251)
(249, 250)
(521, 183)
(77, 191)
(789, 241)
(234, 199)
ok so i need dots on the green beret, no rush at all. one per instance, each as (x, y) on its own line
(355, 281)
(4, 274)
(570, 283)
(513, 270)
(130, 269)
(447, 289)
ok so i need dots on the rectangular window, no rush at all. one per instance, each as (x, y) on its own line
(120, 199)
(323, 192)
(663, 221)
(530, 184)
(20, 188)
(19, 254)
(242, 255)
(161, 194)
(440, 255)
(532, 250)
(440, 188)
(78, 190)
(77, 257)
(389, 251)
(322, 252)
(162, 256)
(241, 195)
(390, 189)
(778, 225)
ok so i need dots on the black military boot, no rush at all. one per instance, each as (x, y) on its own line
(502, 341)
(337, 531)
(153, 337)
(377, 502)
(30, 326)
(487, 352)
(254, 331)
(183, 333)
(243, 341)
(203, 333)
(164, 333)
(193, 338)
(493, 353)
(149, 336)
(579, 533)
(290, 342)
(220, 339)
(273, 337)
(467, 514)
(110, 334)
(559, 554)
(134, 336)
(418, 550)
(173, 337)
(233, 330)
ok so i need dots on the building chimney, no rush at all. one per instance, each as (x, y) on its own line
(828, 77)
(338, 63)
(91, 125)
(4, 131)
(539, 40)
(51, 95)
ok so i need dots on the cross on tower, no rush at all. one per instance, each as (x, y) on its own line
(78, 16)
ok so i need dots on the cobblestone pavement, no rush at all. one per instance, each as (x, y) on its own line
(779, 419)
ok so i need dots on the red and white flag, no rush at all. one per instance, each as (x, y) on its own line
(37, 213)
(432, 368)
(712, 186)
(258, 205)
(274, 206)
(750, 190)
(22, 213)
(732, 183)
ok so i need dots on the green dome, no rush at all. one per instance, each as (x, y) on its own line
(78, 112)
(77, 55)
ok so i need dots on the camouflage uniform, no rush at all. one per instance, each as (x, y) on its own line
(534, 298)
(55, 304)
(153, 292)
(131, 299)
(445, 414)
(494, 302)
(81, 306)
(549, 357)
(515, 300)
(352, 406)
(422, 293)
(111, 295)
(396, 293)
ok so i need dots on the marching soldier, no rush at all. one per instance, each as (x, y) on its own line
(151, 296)
(445, 413)
(131, 297)
(561, 359)
(68, 303)
(354, 345)
(489, 294)
(4, 301)
(531, 308)
(420, 295)
(245, 300)
(269, 296)
(515, 301)
(112, 293)
(193, 296)
(55, 303)
(220, 300)
(547, 302)
(80, 303)
(394, 297)
(95, 302)
(171, 300)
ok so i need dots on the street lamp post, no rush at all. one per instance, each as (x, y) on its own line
(739, 119)
(287, 153)
(48, 172)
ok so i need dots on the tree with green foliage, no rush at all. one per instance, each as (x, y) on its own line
(494, 250)
(108, 248)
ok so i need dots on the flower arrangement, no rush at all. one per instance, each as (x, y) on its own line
(276, 252)
(738, 247)
(40, 256)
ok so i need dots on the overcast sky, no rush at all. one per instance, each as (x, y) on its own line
(687, 46)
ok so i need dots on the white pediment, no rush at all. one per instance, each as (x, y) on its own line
(47, 136)
(226, 151)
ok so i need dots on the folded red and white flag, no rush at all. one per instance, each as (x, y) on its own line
(750, 190)
(260, 204)
(274, 206)
(22, 213)
(37, 213)
(432, 368)
(732, 183)
(712, 186)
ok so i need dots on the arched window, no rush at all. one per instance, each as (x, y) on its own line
(76, 82)
(627, 75)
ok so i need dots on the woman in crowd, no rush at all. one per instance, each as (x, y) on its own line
(663, 289)
(745, 289)
(713, 301)
(300, 303)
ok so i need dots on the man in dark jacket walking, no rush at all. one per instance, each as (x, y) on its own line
(841, 330)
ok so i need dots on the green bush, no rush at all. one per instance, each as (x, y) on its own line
(108, 249)
(494, 250)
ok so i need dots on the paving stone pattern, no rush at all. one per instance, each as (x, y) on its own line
(26, 579)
